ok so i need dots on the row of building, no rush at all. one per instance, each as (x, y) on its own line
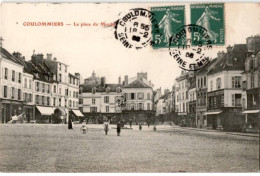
(225, 94)
(39, 90)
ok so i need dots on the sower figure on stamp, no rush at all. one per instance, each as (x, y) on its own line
(204, 21)
(165, 23)
(118, 128)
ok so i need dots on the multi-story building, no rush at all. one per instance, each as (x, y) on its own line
(28, 100)
(181, 97)
(100, 100)
(252, 84)
(73, 97)
(138, 93)
(201, 92)
(11, 79)
(224, 86)
(192, 121)
(156, 95)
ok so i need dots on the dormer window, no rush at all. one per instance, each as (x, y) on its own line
(94, 89)
(107, 89)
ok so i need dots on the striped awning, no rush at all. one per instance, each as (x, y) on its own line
(77, 113)
(45, 110)
(212, 113)
(251, 111)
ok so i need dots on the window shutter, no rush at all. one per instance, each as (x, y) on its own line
(233, 99)
(3, 94)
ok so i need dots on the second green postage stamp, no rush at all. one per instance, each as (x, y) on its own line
(211, 17)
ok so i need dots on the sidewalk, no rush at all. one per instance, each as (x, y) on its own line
(218, 131)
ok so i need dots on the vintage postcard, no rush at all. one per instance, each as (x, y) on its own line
(129, 87)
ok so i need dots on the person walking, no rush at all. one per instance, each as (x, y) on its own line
(70, 124)
(154, 128)
(130, 122)
(140, 126)
(118, 128)
(106, 127)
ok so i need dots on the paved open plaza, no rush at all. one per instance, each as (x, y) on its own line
(54, 148)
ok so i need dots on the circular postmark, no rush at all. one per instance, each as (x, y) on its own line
(134, 30)
(188, 47)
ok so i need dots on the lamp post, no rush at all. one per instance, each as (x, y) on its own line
(121, 103)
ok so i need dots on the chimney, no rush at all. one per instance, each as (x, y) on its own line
(1, 41)
(37, 59)
(55, 59)
(220, 54)
(17, 55)
(166, 91)
(103, 81)
(126, 80)
(49, 56)
(119, 80)
(229, 49)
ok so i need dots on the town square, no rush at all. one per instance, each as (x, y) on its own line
(163, 88)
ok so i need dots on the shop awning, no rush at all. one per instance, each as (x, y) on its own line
(212, 113)
(45, 110)
(77, 113)
(60, 112)
(251, 111)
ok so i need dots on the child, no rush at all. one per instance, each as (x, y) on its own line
(154, 128)
(140, 126)
(84, 129)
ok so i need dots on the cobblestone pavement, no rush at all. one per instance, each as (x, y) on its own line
(54, 148)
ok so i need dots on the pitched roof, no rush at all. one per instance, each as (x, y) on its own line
(9, 56)
(204, 69)
(234, 60)
(137, 84)
(99, 88)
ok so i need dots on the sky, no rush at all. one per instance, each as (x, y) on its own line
(90, 48)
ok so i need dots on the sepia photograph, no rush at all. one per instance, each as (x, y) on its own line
(129, 87)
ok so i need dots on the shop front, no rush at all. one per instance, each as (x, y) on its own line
(182, 119)
(76, 115)
(44, 114)
(214, 119)
(252, 120)
(9, 109)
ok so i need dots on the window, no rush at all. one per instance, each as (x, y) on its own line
(43, 100)
(19, 77)
(70, 103)
(6, 73)
(60, 78)
(60, 67)
(77, 95)
(59, 101)
(80, 101)
(211, 85)
(236, 82)
(94, 89)
(218, 83)
(5, 91)
(54, 89)
(198, 83)
(13, 75)
(93, 101)
(43, 87)
(118, 90)
(252, 81)
(148, 96)
(107, 108)
(19, 94)
(30, 84)
(106, 99)
(37, 99)
(140, 95)
(12, 93)
(49, 88)
(73, 103)
(148, 106)
(93, 109)
(132, 96)
(201, 82)
(183, 107)
(65, 102)
(205, 81)
(140, 106)
(182, 95)
(25, 83)
(60, 91)
(48, 101)
(54, 101)
(236, 100)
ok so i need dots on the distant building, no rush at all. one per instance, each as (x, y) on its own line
(99, 101)
(139, 99)
(181, 97)
(192, 121)
(92, 80)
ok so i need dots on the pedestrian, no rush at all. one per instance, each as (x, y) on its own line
(70, 124)
(106, 127)
(154, 128)
(140, 126)
(118, 128)
(130, 122)
(148, 124)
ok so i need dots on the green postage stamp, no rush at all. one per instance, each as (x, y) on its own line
(210, 17)
(169, 19)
